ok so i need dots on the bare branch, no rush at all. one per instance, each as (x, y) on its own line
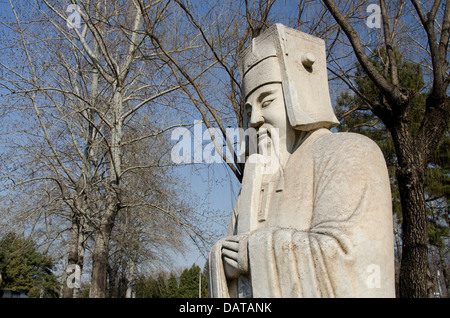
(389, 90)
(392, 65)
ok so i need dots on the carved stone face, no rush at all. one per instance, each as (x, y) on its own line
(298, 61)
(266, 112)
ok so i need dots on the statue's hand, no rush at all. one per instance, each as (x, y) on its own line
(235, 256)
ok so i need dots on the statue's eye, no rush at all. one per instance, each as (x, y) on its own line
(266, 103)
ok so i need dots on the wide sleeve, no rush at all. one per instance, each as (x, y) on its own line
(217, 282)
(348, 250)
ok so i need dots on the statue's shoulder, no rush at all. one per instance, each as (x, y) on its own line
(344, 145)
(344, 141)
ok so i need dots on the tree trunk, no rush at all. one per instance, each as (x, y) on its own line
(81, 250)
(101, 251)
(100, 264)
(76, 255)
(413, 155)
(131, 284)
(410, 177)
(444, 270)
(73, 256)
(112, 281)
(100, 255)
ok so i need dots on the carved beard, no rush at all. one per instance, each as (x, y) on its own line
(268, 147)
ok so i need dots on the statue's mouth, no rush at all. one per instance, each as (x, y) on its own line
(263, 133)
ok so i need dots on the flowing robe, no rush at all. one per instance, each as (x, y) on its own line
(328, 232)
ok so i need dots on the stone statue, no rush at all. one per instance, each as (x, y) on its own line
(320, 224)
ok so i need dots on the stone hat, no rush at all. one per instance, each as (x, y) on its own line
(298, 61)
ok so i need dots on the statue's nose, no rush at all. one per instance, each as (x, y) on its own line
(256, 118)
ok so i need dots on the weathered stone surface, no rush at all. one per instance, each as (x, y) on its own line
(320, 224)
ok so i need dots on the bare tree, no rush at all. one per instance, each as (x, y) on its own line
(218, 38)
(47, 159)
(95, 129)
(114, 45)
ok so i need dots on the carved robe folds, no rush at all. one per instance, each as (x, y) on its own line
(324, 226)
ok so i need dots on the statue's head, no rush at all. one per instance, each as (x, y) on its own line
(289, 64)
